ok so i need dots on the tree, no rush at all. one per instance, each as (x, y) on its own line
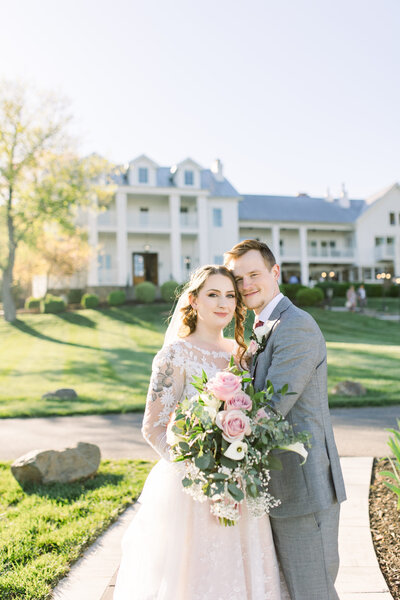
(42, 179)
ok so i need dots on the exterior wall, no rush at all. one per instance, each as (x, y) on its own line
(222, 238)
(373, 223)
(157, 217)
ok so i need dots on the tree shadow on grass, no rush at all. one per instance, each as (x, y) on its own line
(25, 328)
(70, 492)
(77, 319)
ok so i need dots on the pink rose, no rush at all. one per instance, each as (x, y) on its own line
(234, 424)
(240, 400)
(224, 385)
(261, 414)
(253, 347)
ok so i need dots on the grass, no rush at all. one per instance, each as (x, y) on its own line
(106, 356)
(43, 529)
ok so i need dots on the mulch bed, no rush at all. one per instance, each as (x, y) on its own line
(385, 527)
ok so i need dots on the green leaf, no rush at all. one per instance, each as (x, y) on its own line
(218, 476)
(235, 492)
(274, 463)
(184, 446)
(228, 462)
(186, 482)
(203, 462)
(252, 490)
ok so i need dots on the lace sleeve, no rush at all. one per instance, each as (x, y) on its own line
(166, 388)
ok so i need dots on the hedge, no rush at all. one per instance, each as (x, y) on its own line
(52, 304)
(75, 296)
(169, 290)
(309, 296)
(32, 302)
(145, 292)
(290, 289)
(116, 298)
(90, 301)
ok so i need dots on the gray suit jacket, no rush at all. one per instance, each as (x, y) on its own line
(296, 354)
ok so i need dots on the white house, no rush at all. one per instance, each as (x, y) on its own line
(165, 221)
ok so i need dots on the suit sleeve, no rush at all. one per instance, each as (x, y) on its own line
(298, 349)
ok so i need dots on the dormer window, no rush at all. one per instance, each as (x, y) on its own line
(143, 175)
(189, 177)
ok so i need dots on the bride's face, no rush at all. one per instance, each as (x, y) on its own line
(216, 301)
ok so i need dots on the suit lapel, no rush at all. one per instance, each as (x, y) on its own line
(272, 321)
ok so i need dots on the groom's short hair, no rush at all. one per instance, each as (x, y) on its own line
(243, 247)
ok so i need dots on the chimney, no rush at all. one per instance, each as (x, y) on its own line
(344, 201)
(328, 197)
(217, 170)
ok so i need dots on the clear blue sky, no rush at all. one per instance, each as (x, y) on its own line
(292, 95)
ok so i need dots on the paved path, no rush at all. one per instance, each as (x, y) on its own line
(358, 432)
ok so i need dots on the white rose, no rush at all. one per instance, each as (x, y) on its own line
(172, 437)
(261, 331)
(236, 450)
(211, 401)
(212, 412)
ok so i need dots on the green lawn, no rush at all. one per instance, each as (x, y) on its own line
(390, 306)
(43, 529)
(106, 356)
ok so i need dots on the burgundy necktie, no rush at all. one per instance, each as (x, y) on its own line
(259, 324)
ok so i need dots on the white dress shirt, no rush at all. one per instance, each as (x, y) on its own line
(267, 310)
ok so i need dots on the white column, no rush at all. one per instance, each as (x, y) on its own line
(276, 249)
(203, 230)
(303, 255)
(397, 257)
(176, 245)
(122, 239)
(93, 238)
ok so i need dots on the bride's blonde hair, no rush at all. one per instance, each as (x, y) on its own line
(192, 289)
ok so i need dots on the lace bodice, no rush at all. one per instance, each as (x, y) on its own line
(171, 380)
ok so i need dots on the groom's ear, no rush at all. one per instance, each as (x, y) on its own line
(276, 270)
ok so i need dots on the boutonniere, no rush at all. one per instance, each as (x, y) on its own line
(259, 339)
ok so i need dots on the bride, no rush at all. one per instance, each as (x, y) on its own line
(174, 549)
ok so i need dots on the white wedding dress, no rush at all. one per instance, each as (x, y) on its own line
(174, 549)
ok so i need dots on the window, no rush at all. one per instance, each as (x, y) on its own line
(367, 273)
(144, 216)
(138, 265)
(379, 241)
(313, 247)
(217, 217)
(392, 219)
(143, 175)
(184, 215)
(324, 248)
(189, 178)
(105, 261)
(218, 259)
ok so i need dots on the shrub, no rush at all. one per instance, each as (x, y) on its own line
(309, 296)
(75, 296)
(52, 304)
(290, 289)
(90, 301)
(146, 292)
(169, 291)
(32, 302)
(116, 298)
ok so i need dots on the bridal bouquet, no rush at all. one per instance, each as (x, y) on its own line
(223, 436)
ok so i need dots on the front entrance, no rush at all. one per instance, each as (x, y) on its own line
(145, 267)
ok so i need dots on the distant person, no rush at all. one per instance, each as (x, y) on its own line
(362, 297)
(351, 302)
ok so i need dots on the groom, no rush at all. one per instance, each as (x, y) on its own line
(293, 351)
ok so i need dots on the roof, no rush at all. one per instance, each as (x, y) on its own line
(298, 209)
(208, 181)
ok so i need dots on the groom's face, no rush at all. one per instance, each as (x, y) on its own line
(257, 283)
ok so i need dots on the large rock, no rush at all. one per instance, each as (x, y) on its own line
(61, 394)
(349, 388)
(63, 466)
